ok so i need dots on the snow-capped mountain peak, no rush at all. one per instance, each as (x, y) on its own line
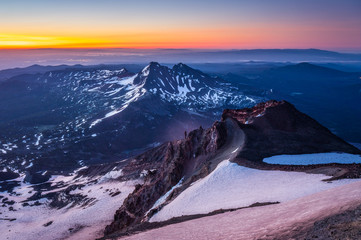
(98, 107)
(190, 87)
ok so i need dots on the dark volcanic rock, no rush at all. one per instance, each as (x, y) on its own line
(277, 127)
(346, 225)
(8, 175)
(35, 178)
(170, 161)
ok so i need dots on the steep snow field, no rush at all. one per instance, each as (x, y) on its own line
(315, 158)
(84, 220)
(233, 186)
(267, 222)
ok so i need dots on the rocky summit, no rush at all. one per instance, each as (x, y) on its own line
(245, 136)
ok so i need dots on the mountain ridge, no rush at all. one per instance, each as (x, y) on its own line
(197, 155)
(84, 115)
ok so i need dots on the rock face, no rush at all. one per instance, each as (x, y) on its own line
(267, 129)
(277, 127)
(35, 178)
(163, 167)
(345, 225)
(7, 175)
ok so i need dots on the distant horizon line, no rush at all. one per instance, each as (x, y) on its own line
(158, 62)
(338, 50)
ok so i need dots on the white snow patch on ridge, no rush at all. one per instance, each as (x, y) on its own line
(233, 186)
(146, 70)
(127, 80)
(114, 112)
(163, 198)
(133, 95)
(315, 158)
(114, 174)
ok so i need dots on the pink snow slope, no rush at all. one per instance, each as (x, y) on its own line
(266, 222)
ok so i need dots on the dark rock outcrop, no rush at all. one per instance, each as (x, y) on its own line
(277, 127)
(8, 175)
(162, 168)
(346, 225)
(35, 178)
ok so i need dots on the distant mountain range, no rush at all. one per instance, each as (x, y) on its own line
(64, 118)
(330, 96)
(59, 118)
(170, 56)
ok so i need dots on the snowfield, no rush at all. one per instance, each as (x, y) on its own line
(266, 222)
(233, 186)
(79, 221)
(315, 158)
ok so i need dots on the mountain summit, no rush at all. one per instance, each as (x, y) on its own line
(243, 137)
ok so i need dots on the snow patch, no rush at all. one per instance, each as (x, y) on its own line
(145, 71)
(163, 198)
(233, 186)
(314, 158)
(114, 174)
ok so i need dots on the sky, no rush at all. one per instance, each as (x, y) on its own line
(207, 24)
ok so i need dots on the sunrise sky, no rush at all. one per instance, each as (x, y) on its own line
(220, 24)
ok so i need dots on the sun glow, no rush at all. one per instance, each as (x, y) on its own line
(25, 41)
(175, 38)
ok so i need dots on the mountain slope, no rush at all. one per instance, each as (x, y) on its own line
(60, 120)
(206, 173)
(281, 221)
(243, 136)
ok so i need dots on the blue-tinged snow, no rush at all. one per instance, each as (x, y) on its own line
(315, 158)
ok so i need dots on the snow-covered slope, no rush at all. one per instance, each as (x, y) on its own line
(278, 221)
(191, 88)
(208, 170)
(221, 168)
(68, 207)
(232, 186)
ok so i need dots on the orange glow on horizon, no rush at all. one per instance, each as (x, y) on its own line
(26, 42)
(226, 24)
(29, 42)
(176, 38)
(252, 36)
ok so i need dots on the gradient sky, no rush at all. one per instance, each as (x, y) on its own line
(222, 24)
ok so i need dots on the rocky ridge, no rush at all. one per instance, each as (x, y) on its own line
(269, 128)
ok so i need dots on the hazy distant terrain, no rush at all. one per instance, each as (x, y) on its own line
(23, 58)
